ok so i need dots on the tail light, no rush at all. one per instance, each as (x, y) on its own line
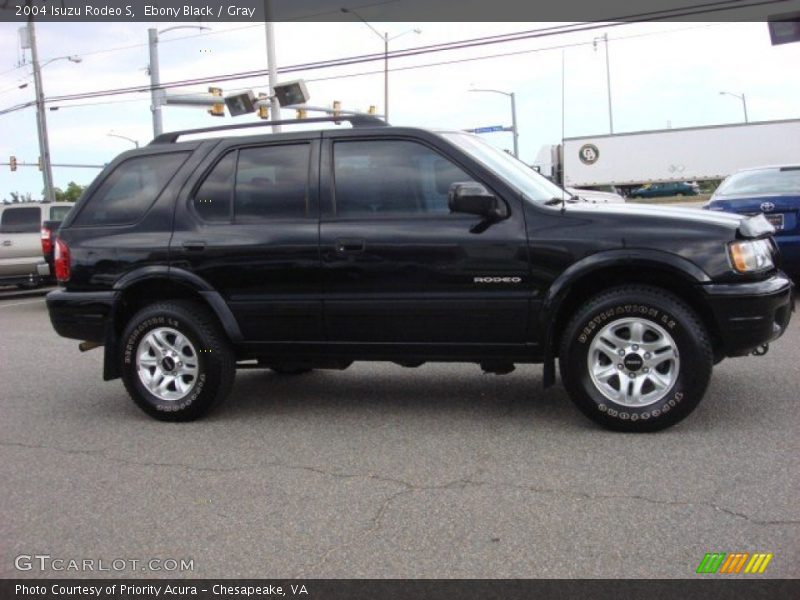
(62, 260)
(47, 241)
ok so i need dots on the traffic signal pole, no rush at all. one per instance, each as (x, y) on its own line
(272, 64)
(155, 82)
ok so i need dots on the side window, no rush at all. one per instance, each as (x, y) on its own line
(213, 198)
(129, 191)
(272, 183)
(391, 177)
(21, 220)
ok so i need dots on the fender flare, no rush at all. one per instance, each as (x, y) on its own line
(173, 275)
(634, 257)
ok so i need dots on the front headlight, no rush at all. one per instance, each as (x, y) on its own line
(751, 255)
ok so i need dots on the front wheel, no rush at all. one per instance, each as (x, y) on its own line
(636, 358)
(176, 362)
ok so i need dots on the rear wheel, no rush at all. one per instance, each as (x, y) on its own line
(636, 358)
(176, 362)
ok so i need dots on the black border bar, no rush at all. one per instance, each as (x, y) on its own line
(77, 11)
(733, 588)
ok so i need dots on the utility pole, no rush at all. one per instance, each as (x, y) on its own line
(272, 64)
(41, 118)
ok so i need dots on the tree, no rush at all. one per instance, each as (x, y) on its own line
(17, 197)
(71, 194)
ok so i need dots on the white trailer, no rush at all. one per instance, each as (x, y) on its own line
(686, 154)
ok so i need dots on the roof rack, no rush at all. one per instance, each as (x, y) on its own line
(355, 120)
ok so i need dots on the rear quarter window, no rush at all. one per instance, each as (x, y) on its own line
(22, 219)
(57, 213)
(130, 190)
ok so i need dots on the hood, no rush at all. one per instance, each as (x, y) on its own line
(745, 226)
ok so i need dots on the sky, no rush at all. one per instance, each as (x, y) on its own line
(662, 75)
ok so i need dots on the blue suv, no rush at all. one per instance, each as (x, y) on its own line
(773, 192)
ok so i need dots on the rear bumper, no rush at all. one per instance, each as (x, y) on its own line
(80, 315)
(751, 314)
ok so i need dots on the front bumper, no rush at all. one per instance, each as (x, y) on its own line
(80, 315)
(750, 314)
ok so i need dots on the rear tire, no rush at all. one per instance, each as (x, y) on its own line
(635, 358)
(175, 360)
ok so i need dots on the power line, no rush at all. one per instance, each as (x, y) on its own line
(440, 63)
(474, 42)
(195, 35)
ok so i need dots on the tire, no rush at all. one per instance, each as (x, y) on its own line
(671, 372)
(202, 368)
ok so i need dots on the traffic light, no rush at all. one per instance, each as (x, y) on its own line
(12, 162)
(263, 107)
(337, 111)
(218, 109)
(302, 113)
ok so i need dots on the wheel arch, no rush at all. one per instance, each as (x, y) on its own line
(156, 283)
(603, 271)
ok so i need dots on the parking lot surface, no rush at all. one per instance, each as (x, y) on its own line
(382, 471)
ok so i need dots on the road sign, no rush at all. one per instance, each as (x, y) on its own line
(489, 129)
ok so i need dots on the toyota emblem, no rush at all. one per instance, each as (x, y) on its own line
(767, 206)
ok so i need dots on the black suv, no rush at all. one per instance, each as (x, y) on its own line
(313, 249)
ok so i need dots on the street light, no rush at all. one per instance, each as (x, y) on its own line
(386, 39)
(604, 37)
(740, 97)
(514, 131)
(155, 75)
(73, 59)
(123, 137)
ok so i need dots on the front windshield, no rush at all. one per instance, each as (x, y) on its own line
(768, 181)
(530, 183)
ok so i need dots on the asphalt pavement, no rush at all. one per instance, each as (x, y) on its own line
(383, 471)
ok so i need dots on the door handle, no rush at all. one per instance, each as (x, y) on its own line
(7, 242)
(194, 245)
(350, 246)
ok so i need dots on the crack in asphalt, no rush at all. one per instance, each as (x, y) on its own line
(375, 523)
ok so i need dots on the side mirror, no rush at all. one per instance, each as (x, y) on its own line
(474, 199)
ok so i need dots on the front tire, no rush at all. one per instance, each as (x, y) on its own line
(636, 358)
(176, 362)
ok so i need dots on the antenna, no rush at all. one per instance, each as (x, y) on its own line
(563, 118)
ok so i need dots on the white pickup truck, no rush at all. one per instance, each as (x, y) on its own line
(22, 261)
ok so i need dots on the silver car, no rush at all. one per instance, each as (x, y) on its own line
(22, 261)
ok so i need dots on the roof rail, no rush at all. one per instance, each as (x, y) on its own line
(355, 120)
